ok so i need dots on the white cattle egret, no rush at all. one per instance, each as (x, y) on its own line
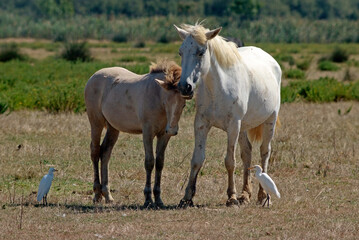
(266, 182)
(45, 185)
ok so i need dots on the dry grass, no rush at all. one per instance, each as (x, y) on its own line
(314, 163)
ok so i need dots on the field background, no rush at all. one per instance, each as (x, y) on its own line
(43, 121)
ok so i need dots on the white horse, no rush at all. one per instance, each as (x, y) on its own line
(238, 92)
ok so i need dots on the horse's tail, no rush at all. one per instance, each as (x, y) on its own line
(256, 134)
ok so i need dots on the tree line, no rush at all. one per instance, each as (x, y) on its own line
(244, 9)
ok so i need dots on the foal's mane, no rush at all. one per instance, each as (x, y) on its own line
(225, 52)
(171, 70)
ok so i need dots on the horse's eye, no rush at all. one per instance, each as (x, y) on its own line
(200, 54)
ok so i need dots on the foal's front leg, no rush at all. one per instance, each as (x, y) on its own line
(201, 130)
(162, 142)
(149, 164)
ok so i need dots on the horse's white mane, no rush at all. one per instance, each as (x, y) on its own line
(226, 52)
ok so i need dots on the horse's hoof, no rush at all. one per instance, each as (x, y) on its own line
(243, 200)
(185, 203)
(232, 202)
(108, 198)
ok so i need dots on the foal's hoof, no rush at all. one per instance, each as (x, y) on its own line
(97, 198)
(159, 205)
(232, 202)
(185, 203)
(148, 204)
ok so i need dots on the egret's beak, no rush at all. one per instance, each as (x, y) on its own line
(56, 170)
(251, 168)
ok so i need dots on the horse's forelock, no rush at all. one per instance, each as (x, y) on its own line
(226, 52)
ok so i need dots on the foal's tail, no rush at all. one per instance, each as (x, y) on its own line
(256, 134)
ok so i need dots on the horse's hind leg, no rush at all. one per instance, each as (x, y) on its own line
(106, 149)
(97, 125)
(246, 155)
(265, 149)
(162, 142)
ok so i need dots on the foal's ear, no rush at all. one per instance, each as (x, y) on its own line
(163, 84)
(182, 33)
(211, 34)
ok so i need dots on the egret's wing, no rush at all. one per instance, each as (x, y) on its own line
(268, 184)
(44, 187)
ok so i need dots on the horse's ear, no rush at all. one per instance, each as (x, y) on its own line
(182, 33)
(211, 34)
(163, 84)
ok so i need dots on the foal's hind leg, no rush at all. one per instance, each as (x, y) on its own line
(265, 149)
(96, 130)
(246, 155)
(106, 149)
(162, 142)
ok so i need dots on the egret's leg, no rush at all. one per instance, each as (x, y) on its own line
(266, 200)
(201, 129)
(162, 142)
(96, 131)
(149, 164)
(230, 161)
(246, 155)
(105, 154)
(265, 149)
(45, 197)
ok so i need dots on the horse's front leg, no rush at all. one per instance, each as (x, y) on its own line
(149, 164)
(201, 129)
(162, 142)
(106, 149)
(246, 155)
(230, 161)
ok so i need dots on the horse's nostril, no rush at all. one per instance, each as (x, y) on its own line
(166, 131)
(189, 88)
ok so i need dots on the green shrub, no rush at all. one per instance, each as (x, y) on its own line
(326, 65)
(285, 58)
(304, 65)
(3, 107)
(163, 39)
(139, 44)
(120, 38)
(339, 55)
(294, 73)
(10, 52)
(76, 51)
(321, 90)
